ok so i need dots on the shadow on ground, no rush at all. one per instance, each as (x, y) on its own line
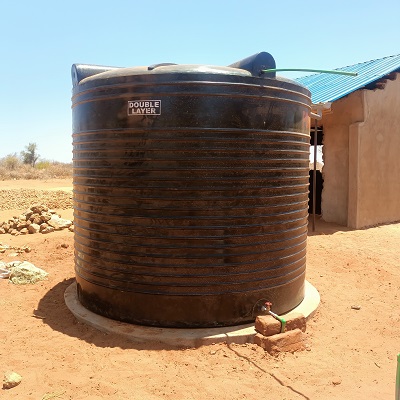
(54, 312)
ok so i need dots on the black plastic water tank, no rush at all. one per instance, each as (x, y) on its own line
(190, 194)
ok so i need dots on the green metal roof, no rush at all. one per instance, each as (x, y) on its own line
(328, 87)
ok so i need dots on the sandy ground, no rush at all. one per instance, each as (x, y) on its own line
(352, 352)
(48, 184)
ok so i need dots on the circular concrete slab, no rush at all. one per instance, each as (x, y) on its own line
(179, 337)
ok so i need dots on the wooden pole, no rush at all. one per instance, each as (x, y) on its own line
(314, 187)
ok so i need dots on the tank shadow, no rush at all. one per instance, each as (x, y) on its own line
(54, 312)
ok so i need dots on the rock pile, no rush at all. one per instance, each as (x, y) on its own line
(38, 218)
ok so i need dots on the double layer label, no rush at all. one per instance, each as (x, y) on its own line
(144, 107)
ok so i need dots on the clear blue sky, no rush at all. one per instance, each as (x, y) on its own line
(40, 41)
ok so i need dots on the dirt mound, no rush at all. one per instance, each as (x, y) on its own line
(23, 198)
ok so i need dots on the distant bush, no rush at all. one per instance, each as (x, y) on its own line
(10, 162)
(11, 167)
(43, 165)
(60, 170)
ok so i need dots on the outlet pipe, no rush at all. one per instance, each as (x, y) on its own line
(280, 319)
(267, 308)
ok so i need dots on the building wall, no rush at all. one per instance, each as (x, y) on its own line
(335, 195)
(375, 173)
(362, 158)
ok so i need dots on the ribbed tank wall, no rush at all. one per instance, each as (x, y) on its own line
(196, 216)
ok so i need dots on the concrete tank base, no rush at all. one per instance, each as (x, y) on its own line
(179, 337)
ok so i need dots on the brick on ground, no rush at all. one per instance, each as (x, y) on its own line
(267, 325)
(289, 341)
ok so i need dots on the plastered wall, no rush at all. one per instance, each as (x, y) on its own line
(362, 158)
(375, 173)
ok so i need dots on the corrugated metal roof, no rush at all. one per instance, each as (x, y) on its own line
(328, 87)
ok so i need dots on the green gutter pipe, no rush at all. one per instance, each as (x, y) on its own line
(398, 378)
(322, 71)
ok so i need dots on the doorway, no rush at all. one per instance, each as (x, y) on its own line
(320, 164)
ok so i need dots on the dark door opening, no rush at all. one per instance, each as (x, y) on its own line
(319, 179)
(320, 184)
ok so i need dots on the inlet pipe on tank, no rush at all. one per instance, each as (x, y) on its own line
(257, 64)
(267, 308)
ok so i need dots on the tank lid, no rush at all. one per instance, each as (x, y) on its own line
(162, 69)
(249, 66)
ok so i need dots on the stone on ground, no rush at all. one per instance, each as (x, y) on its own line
(11, 379)
(22, 273)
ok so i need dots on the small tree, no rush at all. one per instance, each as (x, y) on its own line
(30, 156)
(10, 162)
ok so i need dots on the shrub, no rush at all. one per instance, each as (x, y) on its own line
(10, 162)
(43, 170)
(43, 165)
